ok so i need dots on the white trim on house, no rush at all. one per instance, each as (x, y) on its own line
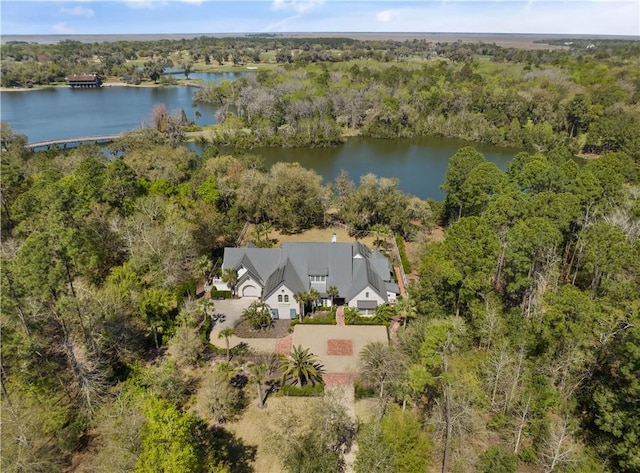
(283, 300)
(367, 294)
(249, 288)
(359, 274)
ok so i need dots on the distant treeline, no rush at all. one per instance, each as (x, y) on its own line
(25, 64)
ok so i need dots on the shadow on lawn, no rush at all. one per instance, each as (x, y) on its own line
(233, 451)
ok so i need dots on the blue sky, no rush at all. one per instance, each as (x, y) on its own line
(612, 17)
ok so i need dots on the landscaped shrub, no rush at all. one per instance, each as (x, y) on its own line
(366, 321)
(406, 265)
(328, 320)
(307, 390)
(215, 294)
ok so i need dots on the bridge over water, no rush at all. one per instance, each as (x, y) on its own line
(64, 142)
(98, 139)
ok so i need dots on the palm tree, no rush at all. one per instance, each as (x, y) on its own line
(258, 373)
(376, 365)
(381, 366)
(226, 333)
(301, 298)
(384, 313)
(351, 315)
(333, 292)
(230, 278)
(407, 309)
(258, 314)
(313, 298)
(302, 366)
(204, 265)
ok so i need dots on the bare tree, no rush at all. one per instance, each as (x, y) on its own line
(559, 447)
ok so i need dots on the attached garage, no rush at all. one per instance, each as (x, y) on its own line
(251, 291)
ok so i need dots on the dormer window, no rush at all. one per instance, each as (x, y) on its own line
(319, 279)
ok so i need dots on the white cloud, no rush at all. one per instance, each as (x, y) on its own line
(141, 4)
(61, 28)
(78, 11)
(386, 16)
(300, 6)
(150, 4)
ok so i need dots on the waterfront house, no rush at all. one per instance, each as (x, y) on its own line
(363, 277)
(84, 81)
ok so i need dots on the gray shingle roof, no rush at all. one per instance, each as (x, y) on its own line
(365, 276)
(295, 262)
(264, 261)
(284, 274)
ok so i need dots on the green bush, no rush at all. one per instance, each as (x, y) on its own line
(328, 320)
(497, 459)
(406, 265)
(205, 331)
(528, 455)
(185, 290)
(367, 321)
(307, 390)
(498, 422)
(363, 391)
(220, 294)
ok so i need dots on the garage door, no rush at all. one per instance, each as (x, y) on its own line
(250, 291)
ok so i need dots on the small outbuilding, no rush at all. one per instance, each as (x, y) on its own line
(85, 81)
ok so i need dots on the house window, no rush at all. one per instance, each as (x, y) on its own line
(279, 297)
(318, 278)
(286, 297)
(366, 294)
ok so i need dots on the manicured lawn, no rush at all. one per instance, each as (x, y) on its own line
(317, 235)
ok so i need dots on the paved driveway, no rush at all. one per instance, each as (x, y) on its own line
(229, 311)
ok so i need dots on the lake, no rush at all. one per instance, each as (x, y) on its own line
(420, 163)
(61, 112)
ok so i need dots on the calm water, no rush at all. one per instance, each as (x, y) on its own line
(61, 112)
(46, 114)
(419, 163)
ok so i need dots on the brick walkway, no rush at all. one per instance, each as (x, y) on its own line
(284, 345)
(338, 379)
(403, 290)
(340, 316)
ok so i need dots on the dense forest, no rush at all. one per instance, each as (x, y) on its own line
(518, 348)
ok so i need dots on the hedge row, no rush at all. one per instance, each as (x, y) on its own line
(302, 391)
(406, 265)
(220, 294)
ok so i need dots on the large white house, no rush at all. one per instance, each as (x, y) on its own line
(363, 277)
